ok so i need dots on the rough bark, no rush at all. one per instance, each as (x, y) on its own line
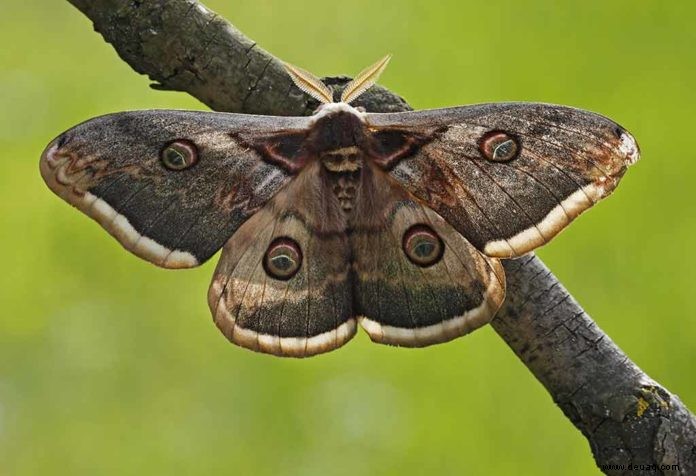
(628, 418)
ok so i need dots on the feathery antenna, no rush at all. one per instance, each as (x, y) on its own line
(364, 80)
(309, 83)
(313, 86)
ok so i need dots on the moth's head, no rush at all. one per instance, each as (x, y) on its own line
(313, 86)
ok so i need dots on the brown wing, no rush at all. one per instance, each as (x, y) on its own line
(417, 280)
(299, 305)
(508, 176)
(172, 186)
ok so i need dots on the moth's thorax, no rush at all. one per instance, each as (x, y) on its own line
(336, 130)
(338, 138)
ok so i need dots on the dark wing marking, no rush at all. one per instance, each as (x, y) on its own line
(111, 169)
(565, 160)
(402, 303)
(307, 314)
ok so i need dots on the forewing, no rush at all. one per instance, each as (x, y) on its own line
(112, 169)
(560, 161)
(306, 314)
(408, 304)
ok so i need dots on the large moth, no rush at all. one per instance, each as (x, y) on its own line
(395, 221)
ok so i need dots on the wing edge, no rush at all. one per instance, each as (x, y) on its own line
(447, 330)
(53, 171)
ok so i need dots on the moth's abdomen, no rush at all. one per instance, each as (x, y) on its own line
(343, 168)
(345, 187)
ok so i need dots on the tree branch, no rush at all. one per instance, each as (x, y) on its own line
(626, 416)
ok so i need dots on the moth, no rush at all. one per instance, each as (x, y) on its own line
(394, 221)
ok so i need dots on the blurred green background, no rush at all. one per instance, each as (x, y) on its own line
(109, 365)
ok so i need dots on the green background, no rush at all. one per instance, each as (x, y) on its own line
(109, 365)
